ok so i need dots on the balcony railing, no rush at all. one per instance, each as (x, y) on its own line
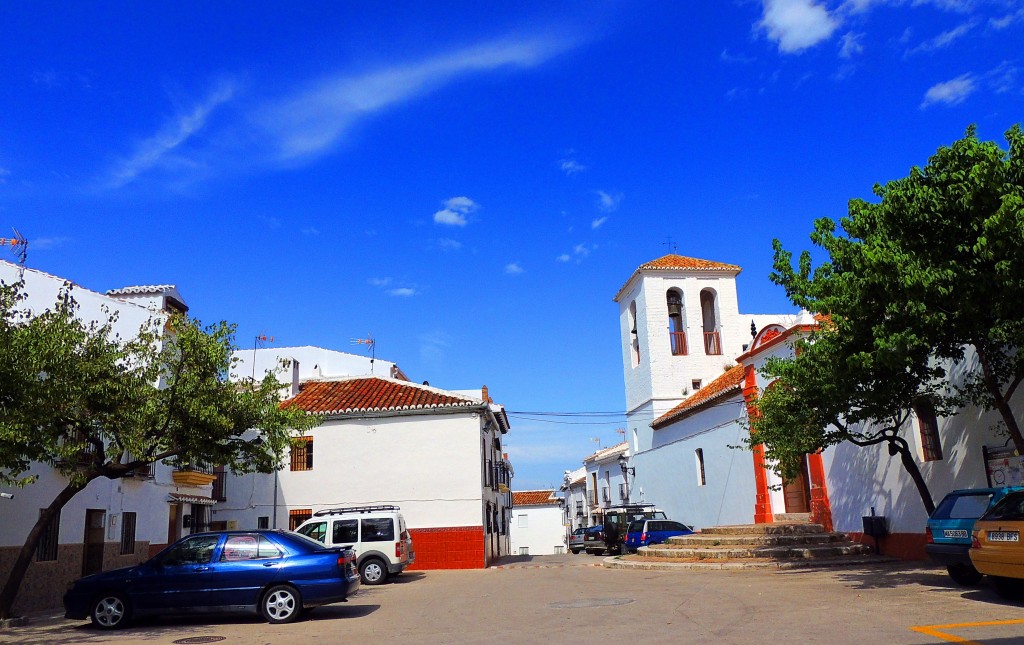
(712, 343)
(678, 341)
(196, 474)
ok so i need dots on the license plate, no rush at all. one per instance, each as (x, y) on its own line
(955, 533)
(1003, 536)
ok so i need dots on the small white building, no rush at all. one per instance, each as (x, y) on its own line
(435, 453)
(537, 523)
(606, 482)
(111, 523)
(574, 490)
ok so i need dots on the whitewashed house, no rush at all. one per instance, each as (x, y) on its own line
(537, 523)
(574, 491)
(435, 453)
(111, 523)
(606, 481)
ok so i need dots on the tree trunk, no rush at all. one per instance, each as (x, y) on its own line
(10, 590)
(910, 465)
(999, 401)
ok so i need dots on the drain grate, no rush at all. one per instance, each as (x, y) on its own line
(584, 603)
(196, 640)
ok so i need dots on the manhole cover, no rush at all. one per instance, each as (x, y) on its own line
(195, 640)
(591, 602)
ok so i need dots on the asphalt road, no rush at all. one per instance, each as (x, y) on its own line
(566, 599)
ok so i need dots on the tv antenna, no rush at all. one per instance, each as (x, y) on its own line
(671, 245)
(18, 244)
(261, 341)
(597, 440)
(371, 343)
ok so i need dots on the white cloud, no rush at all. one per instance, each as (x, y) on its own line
(571, 166)
(797, 24)
(154, 151)
(402, 292)
(608, 202)
(433, 346)
(47, 243)
(513, 268)
(727, 57)
(312, 121)
(379, 282)
(1005, 21)
(945, 39)
(582, 250)
(851, 45)
(310, 230)
(952, 92)
(455, 211)
(449, 244)
(565, 257)
(4, 174)
(271, 222)
(598, 222)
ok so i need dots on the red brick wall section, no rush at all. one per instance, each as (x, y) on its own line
(905, 546)
(456, 547)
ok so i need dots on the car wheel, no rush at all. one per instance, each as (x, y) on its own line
(575, 551)
(281, 604)
(373, 571)
(1009, 588)
(964, 574)
(110, 611)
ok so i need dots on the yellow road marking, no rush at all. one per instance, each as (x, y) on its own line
(933, 630)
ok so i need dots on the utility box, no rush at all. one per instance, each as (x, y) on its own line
(875, 526)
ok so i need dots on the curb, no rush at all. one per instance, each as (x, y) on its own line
(17, 621)
(544, 566)
(615, 563)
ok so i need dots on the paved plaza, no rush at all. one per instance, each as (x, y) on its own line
(567, 599)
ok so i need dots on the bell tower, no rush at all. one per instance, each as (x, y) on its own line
(680, 328)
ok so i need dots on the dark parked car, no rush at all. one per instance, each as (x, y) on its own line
(646, 532)
(593, 540)
(618, 518)
(948, 534)
(277, 574)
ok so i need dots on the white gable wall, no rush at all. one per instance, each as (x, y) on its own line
(537, 528)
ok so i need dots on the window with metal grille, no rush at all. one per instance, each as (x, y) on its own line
(701, 479)
(220, 484)
(127, 533)
(263, 522)
(46, 551)
(302, 453)
(928, 424)
(298, 516)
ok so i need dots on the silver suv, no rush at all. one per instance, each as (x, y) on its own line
(377, 534)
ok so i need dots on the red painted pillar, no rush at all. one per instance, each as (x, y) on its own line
(762, 497)
(821, 509)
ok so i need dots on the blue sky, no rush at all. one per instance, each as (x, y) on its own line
(471, 183)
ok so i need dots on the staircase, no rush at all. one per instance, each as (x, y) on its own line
(780, 545)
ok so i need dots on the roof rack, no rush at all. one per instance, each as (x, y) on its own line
(356, 509)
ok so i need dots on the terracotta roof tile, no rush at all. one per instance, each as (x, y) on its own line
(373, 394)
(533, 498)
(680, 262)
(724, 384)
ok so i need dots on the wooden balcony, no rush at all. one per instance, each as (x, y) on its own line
(712, 343)
(193, 475)
(677, 339)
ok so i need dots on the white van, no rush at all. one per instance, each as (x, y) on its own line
(377, 534)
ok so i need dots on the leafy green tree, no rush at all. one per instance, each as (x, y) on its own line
(927, 279)
(75, 396)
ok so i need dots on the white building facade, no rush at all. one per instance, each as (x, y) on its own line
(537, 525)
(110, 523)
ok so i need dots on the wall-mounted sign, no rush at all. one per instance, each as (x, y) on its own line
(1003, 466)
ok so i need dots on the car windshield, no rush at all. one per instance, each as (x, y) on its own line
(962, 507)
(304, 540)
(636, 526)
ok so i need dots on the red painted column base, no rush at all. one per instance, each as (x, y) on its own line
(762, 496)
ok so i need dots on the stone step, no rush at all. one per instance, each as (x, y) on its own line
(804, 518)
(698, 540)
(769, 552)
(777, 528)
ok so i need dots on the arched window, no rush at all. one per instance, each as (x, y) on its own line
(634, 336)
(676, 331)
(699, 454)
(709, 316)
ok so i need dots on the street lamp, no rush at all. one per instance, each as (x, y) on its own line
(626, 470)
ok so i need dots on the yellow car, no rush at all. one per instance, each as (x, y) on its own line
(997, 549)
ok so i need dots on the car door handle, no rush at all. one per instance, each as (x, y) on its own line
(202, 568)
(270, 564)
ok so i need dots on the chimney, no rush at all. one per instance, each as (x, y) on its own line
(485, 395)
(295, 377)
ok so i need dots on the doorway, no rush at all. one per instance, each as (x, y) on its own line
(796, 492)
(92, 558)
(174, 523)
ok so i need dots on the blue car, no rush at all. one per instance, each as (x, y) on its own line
(948, 534)
(277, 574)
(646, 532)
